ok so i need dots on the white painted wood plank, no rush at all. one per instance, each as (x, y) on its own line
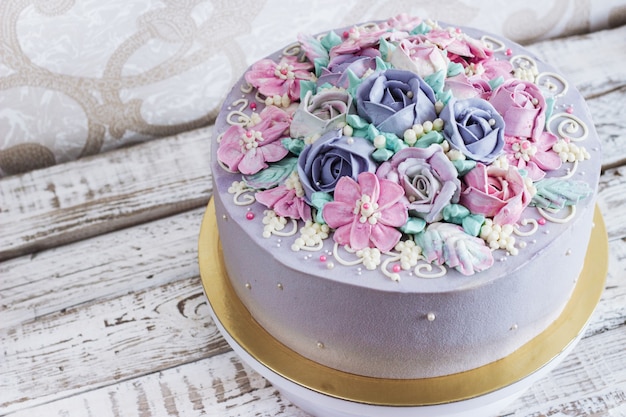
(593, 62)
(612, 201)
(103, 342)
(106, 266)
(84, 198)
(218, 386)
(607, 112)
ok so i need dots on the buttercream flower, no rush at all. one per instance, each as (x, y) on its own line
(460, 47)
(522, 106)
(473, 127)
(324, 162)
(280, 79)
(534, 156)
(286, 200)
(336, 72)
(366, 212)
(495, 192)
(395, 100)
(430, 181)
(248, 150)
(320, 113)
(357, 39)
(415, 55)
(463, 87)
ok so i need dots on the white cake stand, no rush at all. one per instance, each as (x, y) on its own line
(326, 392)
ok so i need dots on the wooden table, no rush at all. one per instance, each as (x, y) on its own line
(102, 312)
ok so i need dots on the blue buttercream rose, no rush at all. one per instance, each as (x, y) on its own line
(332, 156)
(474, 127)
(395, 100)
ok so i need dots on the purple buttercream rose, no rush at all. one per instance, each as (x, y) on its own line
(332, 156)
(336, 72)
(429, 179)
(320, 113)
(474, 127)
(394, 100)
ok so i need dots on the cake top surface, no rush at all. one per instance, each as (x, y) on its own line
(405, 149)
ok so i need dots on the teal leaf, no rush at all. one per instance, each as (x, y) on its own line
(330, 40)
(413, 225)
(556, 193)
(463, 166)
(295, 146)
(318, 200)
(447, 243)
(273, 175)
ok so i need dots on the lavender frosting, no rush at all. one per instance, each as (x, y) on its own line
(394, 100)
(332, 156)
(474, 127)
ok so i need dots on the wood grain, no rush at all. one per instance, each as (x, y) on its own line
(102, 312)
(91, 196)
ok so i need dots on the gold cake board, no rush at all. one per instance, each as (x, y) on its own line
(531, 357)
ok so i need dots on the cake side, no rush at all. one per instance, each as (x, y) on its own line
(399, 313)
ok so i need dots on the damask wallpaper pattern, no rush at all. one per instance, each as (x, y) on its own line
(79, 77)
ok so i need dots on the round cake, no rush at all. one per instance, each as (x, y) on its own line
(404, 199)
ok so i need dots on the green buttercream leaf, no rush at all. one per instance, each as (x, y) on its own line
(463, 166)
(472, 224)
(273, 175)
(330, 40)
(550, 102)
(446, 243)
(295, 146)
(436, 81)
(386, 49)
(413, 225)
(428, 139)
(354, 82)
(455, 213)
(318, 200)
(557, 193)
(305, 87)
(421, 29)
(454, 68)
(382, 155)
(320, 63)
(381, 65)
(496, 82)
(356, 122)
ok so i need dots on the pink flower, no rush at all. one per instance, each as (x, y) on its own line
(402, 22)
(461, 48)
(495, 192)
(424, 59)
(522, 106)
(366, 212)
(248, 150)
(281, 78)
(285, 202)
(358, 39)
(535, 156)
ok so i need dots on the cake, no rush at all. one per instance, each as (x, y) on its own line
(404, 198)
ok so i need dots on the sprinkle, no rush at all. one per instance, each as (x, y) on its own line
(253, 106)
(249, 215)
(508, 52)
(514, 327)
(248, 286)
(396, 268)
(569, 110)
(541, 221)
(320, 345)
(280, 286)
(568, 252)
(323, 258)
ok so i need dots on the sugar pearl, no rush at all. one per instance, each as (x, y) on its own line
(431, 316)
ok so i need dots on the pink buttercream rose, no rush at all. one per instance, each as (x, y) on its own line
(522, 106)
(280, 78)
(247, 150)
(460, 47)
(495, 192)
(366, 212)
(415, 55)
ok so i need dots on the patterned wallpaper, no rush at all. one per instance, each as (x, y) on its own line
(78, 77)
